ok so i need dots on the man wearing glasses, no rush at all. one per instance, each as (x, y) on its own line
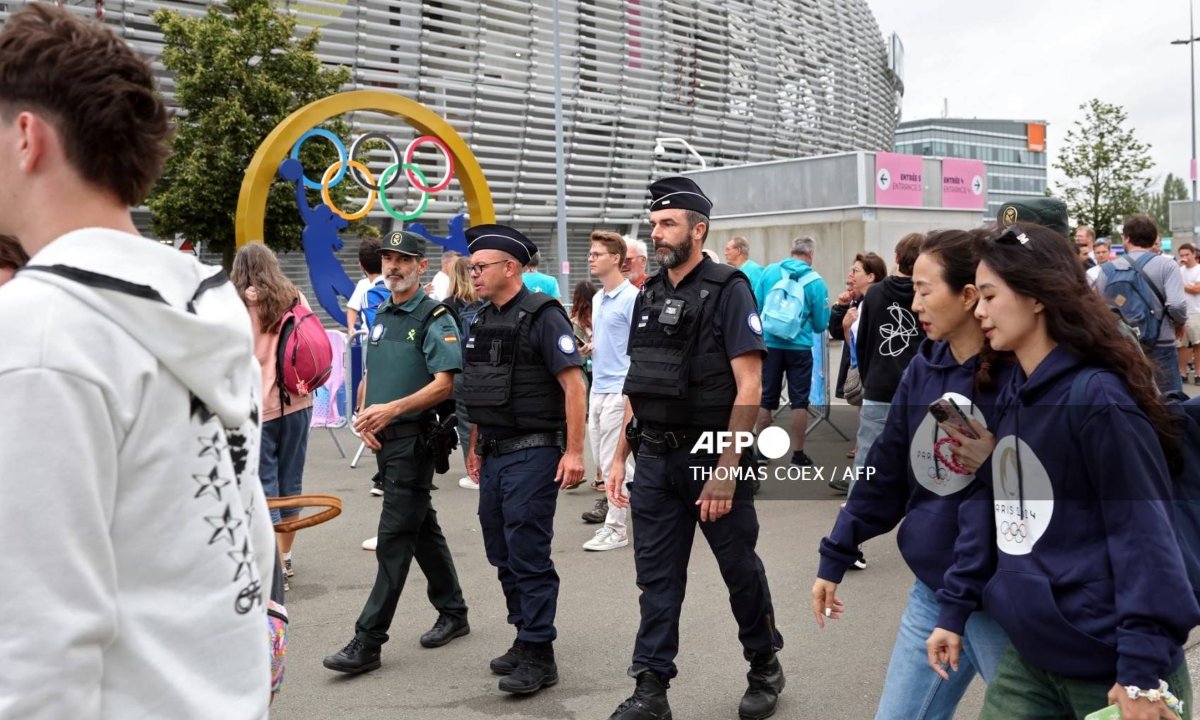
(524, 392)
(612, 318)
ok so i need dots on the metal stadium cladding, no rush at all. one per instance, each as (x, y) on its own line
(740, 81)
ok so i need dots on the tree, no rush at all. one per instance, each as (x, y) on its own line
(1158, 204)
(238, 72)
(1105, 166)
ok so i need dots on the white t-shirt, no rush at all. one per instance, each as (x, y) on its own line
(441, 286)
(1191, 276)
(360, 292)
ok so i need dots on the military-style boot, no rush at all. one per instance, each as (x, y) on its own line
(506, 663)
(535, 670)
(648, 702)
(766, 682)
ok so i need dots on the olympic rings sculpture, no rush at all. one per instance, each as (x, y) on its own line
(358, 172)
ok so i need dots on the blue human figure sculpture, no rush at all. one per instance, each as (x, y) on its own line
(321, 243)
(456, 240)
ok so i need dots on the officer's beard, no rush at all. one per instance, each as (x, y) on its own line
(670, 256)
(400, 284)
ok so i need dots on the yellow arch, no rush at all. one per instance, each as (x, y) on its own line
(252, 200)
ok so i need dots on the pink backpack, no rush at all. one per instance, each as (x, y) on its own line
(305, 359)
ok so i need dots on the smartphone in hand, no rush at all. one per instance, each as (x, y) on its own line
(947, 411)
(1112, 712)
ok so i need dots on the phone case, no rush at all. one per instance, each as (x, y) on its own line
(1112, 712)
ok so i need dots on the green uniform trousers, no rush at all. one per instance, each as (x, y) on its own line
(1020, 690)
(408, 528)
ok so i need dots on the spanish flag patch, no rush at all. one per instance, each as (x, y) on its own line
(451, 338)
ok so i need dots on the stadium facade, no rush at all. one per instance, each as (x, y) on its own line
(740, 81)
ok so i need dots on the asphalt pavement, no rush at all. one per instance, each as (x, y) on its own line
(837, 672)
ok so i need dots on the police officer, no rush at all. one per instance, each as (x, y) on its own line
(412, 357)
(696, 351)
(524, 392)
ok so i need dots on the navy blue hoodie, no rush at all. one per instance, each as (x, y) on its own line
(909, 483)
(1089, 580)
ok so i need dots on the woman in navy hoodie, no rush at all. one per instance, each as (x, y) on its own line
(918, 479)
(1089, 581)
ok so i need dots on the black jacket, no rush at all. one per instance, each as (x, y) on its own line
(888, 336)
(836, 315)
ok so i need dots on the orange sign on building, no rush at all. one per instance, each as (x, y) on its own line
(1035, 135)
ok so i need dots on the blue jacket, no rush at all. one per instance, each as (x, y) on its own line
(909, 483)
(1089, 581)
(816, 302)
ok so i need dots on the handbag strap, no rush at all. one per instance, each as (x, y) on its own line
(331, 503)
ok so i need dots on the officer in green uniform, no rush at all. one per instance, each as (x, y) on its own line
(412, 356)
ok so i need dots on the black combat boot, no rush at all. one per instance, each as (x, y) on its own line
(648, 702)
(506, 663)
(356, 657)
(535, 670)
(766, 682)
(444, 630)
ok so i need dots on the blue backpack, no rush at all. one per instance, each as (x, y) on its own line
(1129, 291)
(1185, 481)
(783, 308)
(374, 298)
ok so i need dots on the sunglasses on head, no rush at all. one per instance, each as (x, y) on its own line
(1011, 235)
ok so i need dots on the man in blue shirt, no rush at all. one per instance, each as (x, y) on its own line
(540, 282)
(792, 355)
(612, 317)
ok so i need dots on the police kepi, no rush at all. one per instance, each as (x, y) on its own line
(524, 392)
(696, 352)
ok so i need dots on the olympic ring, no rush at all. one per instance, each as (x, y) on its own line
(381, 137)
(408, 158)
(337, 143)
(1013, 532)
(387, 175)
(326, 184)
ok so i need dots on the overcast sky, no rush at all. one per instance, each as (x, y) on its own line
(1042, 59)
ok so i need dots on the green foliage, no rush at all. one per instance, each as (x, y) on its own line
(1158, 204)
(1105, 166)
(238, 72)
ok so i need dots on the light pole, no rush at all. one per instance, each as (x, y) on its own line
(659, 149)
(1191, 43)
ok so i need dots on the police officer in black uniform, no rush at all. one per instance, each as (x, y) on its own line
(524, 391)
(412, 357)
(696, 352)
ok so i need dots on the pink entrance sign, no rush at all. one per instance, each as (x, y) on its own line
(898, 179)
(964, 184)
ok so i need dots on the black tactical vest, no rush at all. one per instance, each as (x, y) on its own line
(505, 381)
(679, 374)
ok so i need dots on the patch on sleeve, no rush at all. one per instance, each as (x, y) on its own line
(566, 344)
(754, 322)
(450, 338)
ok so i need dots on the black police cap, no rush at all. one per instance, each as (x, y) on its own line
(679, 192)
(502, 238)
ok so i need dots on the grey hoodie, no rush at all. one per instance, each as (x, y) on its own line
(135, 544)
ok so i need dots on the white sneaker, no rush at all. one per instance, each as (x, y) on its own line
(468, 484)
(369, 544)
(605, 539)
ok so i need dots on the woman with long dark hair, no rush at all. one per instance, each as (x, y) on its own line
(1089, 581)
(268, 294)
(917, 480)
(581, 320)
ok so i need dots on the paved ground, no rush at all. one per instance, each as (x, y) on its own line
(837, 672)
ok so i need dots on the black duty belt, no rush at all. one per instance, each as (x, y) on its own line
(520, 442)
(400, 430)
(664, 439)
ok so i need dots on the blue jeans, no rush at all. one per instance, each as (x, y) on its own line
(1166, 362)
(914, 692)
(281, 458)
(871, 420)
